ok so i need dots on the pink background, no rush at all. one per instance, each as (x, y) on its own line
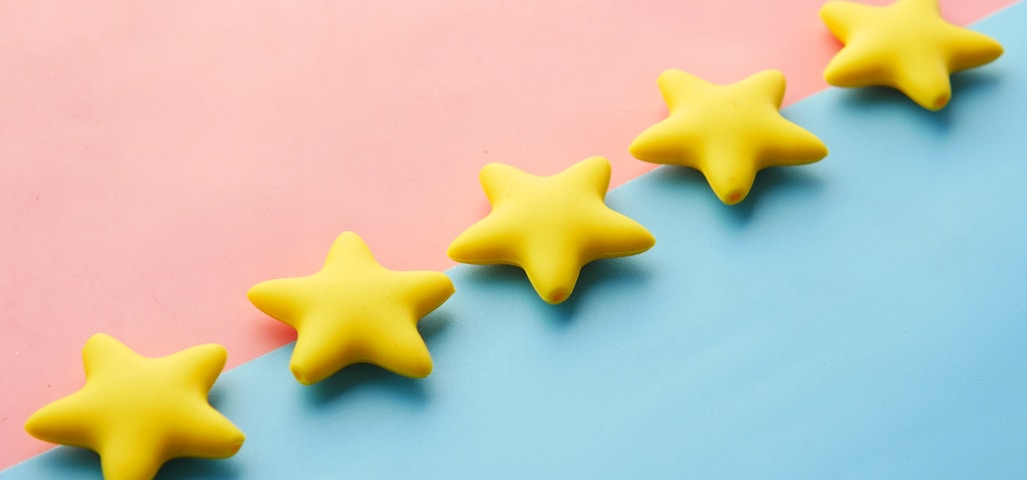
(159, 158)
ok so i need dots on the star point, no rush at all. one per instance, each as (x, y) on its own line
(728, 132)
(906, 45)
(549, 226)
(354, 311)
(138, 412)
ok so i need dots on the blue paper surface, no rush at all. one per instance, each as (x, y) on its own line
(862, 317)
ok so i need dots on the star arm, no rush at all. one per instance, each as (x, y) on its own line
(284, 299)
(927, 6)
(493, 239)
(765, 86)
(790, 145)
(501, 181)
(553, 260)
(863, 63)
(189, 428)
(324, 345)
(730, 168)
(969, 49)
(423, 291)
(349, 252)
(198, 430)
(553, 265)
(615, 235)
(386, 336)
(196, 367)
(394, 343)
(675, 139)
(591, 176)
(66, 421)
(680, 88)
(925, 80)
(671, 141)
(103, 353)
(842, 18)
(137, 457)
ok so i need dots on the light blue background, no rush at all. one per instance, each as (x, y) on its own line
(863, 317)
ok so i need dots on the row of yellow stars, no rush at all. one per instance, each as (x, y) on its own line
(138, 412)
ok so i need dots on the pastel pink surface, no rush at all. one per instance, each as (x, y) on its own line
(159, 158)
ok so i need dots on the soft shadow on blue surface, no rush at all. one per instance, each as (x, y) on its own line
(198, 468)
(794, 181)
(364, 376)
(965, 87)
(72, 462)
(80, 463)
(597, 278)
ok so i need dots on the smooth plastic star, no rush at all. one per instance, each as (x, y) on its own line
(905, 45)
(728, 132)
(139, 412)
(549, 226)
(354, 311)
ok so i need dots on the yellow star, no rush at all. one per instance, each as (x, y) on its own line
(728, 132)
(549, 226)
(354, 311)
(139, 412)
(905, 45)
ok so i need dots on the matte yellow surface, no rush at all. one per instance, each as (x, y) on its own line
(728, 132)
(355, 311)
(906, 45)
(139, 412)
(549, 226)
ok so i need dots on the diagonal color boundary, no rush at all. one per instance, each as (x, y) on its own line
(863, 317)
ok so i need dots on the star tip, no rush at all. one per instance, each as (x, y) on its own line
(668, 72)
(38, 425)
(833, 76)
(216, 350)
(454, 252)
(637, 148)
(33, 425)
(556, 296)
(490, 168)
(733, 197)
(443, 280)
(448, 289)
(100, 340)
(495, 174)
(825, 9)
(236, 444)
(993, 51)
(99, 337)
(348, 235)
(773, 73)
(257, 293)
(650, 241)
(673, 77)
(634, 147)
(818, 150)
(231, 441)
(302, 376)
(935, 104)
(421, 371)
(597, 165)
(349, 240)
